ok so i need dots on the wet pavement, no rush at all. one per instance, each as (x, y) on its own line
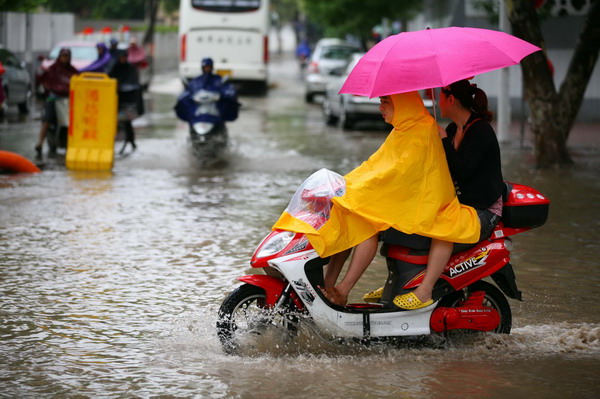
(111, 281)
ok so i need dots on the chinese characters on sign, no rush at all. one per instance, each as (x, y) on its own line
(90, 114)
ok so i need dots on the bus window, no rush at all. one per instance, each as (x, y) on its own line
(226, 5)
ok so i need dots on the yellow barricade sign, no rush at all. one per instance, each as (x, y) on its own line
(92, 122)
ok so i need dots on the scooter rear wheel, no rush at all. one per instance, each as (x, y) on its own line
(244, 317)
(493, 299)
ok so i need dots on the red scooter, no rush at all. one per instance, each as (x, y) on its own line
(287, 293)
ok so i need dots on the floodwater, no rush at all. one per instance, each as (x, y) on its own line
(110, 282)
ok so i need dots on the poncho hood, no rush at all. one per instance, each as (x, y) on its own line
(57, 77)
(405, 184)
(101, 63)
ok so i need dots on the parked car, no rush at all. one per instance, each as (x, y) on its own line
(15, 80)
(347, 109)
(330, 54)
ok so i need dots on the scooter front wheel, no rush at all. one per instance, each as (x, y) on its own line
(246, 323)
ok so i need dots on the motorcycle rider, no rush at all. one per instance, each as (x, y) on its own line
(207, 80)
(303, 53)
(129, 90)
(56, 80)
(102, 63)
(406, 185)
(227, 105)
(473, 157)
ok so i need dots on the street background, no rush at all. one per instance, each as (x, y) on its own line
(111, 281)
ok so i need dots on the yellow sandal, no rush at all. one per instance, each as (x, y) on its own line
(410, 302)
(373, 296)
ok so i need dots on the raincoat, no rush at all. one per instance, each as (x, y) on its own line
(57, 78)
(102, 63)
(405, 184)
(128, 87)
(227, 105)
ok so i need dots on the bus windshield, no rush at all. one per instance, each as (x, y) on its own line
(226, 5)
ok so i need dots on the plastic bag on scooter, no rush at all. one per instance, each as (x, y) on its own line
(312, 201)
(62, 111)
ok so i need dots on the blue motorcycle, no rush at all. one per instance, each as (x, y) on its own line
(206, 104)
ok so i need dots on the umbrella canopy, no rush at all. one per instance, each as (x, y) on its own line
(430, 58)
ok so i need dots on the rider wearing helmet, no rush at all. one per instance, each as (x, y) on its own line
(208, 80)
(207, 65)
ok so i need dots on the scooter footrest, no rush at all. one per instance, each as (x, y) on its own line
(364, 305)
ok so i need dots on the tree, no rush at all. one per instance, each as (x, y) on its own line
(357, 17)
(553, 112)
(19, 5)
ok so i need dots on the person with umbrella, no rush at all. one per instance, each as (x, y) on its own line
(409, 168)
(473, 156)
(434, 58)
(472, 151)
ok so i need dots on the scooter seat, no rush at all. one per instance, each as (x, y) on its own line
(416, 256)
(410, 255)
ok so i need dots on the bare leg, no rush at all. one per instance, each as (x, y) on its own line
(130, 134)
(334, 267)
(41, 138)
(361, 259)
(439, 254)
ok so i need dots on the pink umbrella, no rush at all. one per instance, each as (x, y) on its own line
(430, 58)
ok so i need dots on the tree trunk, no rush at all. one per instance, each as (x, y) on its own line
(553, 113)
(152, 11)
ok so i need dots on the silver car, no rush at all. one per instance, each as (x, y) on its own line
(347, 109)
(16, 80)
(330, 54)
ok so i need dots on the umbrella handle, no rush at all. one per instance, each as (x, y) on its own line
(433, 99)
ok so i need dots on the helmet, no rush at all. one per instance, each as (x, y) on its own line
(207, 62)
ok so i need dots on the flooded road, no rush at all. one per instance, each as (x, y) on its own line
(110, 283)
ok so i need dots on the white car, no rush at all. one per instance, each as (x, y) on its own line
(330, 55)
(346, 109)
(16, 80)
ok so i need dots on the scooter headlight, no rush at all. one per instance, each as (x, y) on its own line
(275, 244)
(202, 127)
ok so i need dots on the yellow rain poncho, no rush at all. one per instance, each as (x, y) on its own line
(405, 184)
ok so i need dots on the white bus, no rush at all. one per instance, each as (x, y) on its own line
(234, 33)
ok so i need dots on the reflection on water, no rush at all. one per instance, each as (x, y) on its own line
(111, 282)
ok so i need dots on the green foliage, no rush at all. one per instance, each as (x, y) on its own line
(19, 5)
(99, 9)
(491, 8)
(170, 6)
(357, 17)
(287, 9)
(157, 28)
